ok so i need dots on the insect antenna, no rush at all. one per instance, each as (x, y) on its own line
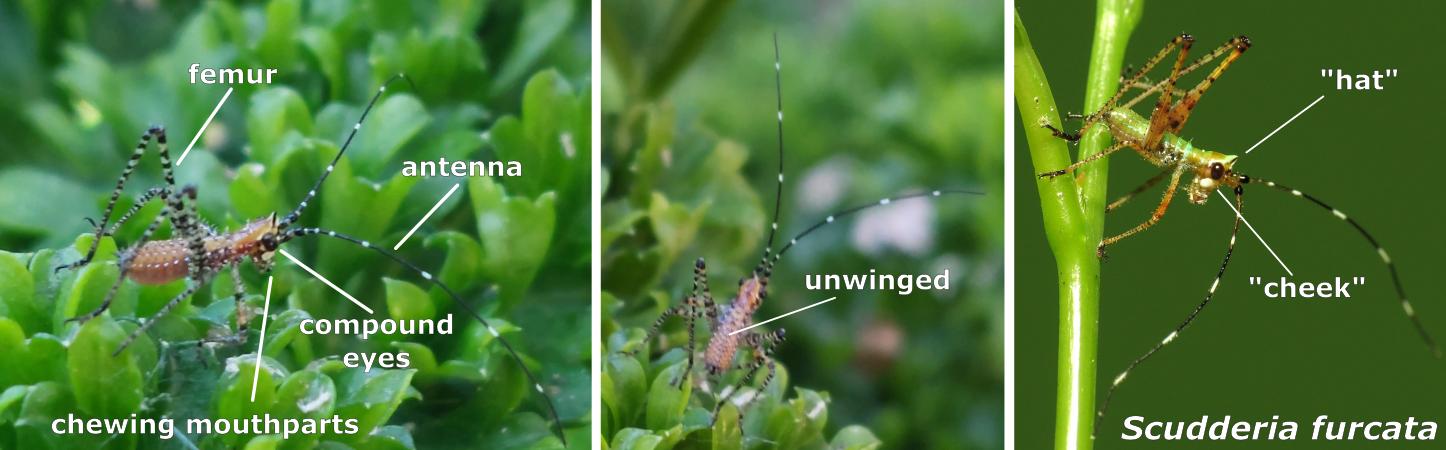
(296, 213)
(299, 232)
(856, 209)
(1209, 295)
(516, 357)
(770, 258)
(1381, 251)
(765, 263)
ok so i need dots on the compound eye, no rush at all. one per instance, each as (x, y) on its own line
(1217, 170)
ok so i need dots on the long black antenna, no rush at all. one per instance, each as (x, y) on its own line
(850, 211)
(1380, 251)
(296, 213)
(431, 278)
(764, 264)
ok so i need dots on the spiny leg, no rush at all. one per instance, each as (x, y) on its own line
(1160, 118)
(1138, 190)
(1182, 41)
(188, 227)
(684, 310)
(159, 134)
(191, 287)
(1092, 158)
(141, 202)
(1181, 112)
(123, 261)
(456, 299)
(1385, 258)
(700, 289)
(763, 346)
(1229, 250)
(703, 305)
(1151, 87)
(1154, 217)
(242, 319)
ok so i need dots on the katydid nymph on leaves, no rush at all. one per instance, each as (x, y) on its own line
(1157, 139)
(198, 252)
(731, 326)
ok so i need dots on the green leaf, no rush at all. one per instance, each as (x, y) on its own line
(11, 397)
(395, 121)
(375, 399)
(274, 113)
(249, 194)
(40, 358)
(542, 23)
(667, 402)
(45, 402)
(406, 301)
(463, 263)
(17, 294)
(328, 55)
(269, 442)
(233, 401)
(89, 290)
(674, 226)
(628, 389)
(305, 393)
(283, 330)
(390, 437)
(727, 435)
(648, 161)
(855, 437)
(28, 213)
(278, 45)
(515, 233)
(105, 385)
(421, 357)
(635, 439)
(545, 140)
(339, 202)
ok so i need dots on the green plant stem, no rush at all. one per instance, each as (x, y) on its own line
(1073, 209)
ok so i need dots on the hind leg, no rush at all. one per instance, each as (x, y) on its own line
(762, 345)
(100, 228)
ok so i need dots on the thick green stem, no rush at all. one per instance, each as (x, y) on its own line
(1073, 209)
(1114, 23)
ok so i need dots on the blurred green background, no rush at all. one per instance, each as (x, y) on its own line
(503, 80)
(880, 98)
(1366, 153)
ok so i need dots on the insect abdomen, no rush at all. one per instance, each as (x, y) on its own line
(158, 262)
(161, 262)
(721, 348)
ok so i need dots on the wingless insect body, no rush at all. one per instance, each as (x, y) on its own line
(1157, 140)
(730, 325)
(197, 252)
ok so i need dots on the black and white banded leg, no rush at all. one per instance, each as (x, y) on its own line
(192, 285)
(124, 259)
(762, 345)
(159, 134)
(1174, 334)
